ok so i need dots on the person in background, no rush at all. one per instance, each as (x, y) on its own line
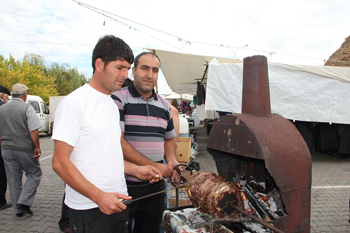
(126, 83)
(148, 137)
(87, 147)
(20, 148)
(4, 95)
(4, 98)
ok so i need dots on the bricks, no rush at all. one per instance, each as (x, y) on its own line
(329, 204)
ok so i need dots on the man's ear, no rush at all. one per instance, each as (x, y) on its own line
(99, 64)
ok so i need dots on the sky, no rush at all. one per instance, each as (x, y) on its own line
(302, 32)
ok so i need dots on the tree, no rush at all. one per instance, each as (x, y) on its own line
(43, 80)
(67, 79)
(33, 76)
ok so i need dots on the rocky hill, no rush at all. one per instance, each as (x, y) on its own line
(341, 57)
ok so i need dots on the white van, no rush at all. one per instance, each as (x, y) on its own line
(42, 111)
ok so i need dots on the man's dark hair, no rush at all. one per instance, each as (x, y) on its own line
(127, 82)
(137, 58)
(110, 48)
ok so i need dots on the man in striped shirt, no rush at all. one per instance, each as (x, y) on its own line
(149, 137)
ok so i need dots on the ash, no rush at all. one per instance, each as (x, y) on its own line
(191, 220)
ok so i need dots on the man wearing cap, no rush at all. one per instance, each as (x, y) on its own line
(4, 98)
(4, 95)
(20, 149)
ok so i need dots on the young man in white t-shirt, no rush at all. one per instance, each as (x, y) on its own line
(88, 154)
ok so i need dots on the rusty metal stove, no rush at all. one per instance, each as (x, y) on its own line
(257, 142)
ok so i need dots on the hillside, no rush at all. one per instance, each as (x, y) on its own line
(341, 57)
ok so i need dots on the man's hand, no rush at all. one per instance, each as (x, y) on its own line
(149, 173)
(175, 176)
(37, 152)
(109, 203)
(165, 170)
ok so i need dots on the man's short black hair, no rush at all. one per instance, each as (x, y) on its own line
(110, 48)
(137, 58)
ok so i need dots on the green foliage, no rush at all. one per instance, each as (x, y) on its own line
(67, 79)
(42, 80)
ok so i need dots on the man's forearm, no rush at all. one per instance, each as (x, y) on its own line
(69, 173)
(108, 202)
(170, 150)
(133, 156)
(34, 135)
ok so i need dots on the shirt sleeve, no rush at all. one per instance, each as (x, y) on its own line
(120, 105)
(170, 130)
(68, 121)
(33, 120)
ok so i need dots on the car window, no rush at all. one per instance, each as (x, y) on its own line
(44, 108)
(35, 105)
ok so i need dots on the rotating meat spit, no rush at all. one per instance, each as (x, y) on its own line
(257, 143)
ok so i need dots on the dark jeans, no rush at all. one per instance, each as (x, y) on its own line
(3, 181)
(64, 221)
(147, 213)
(94, 221)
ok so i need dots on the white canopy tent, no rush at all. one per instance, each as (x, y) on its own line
(305, 93)
(294, 94)
(182, 71)
(188, 98)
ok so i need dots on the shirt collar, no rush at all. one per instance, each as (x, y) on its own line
(134, 92)
(17, 98)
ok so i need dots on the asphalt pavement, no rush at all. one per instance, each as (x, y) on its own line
(329, 196)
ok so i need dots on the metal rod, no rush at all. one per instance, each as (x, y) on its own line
(262, 222)
(127, 202)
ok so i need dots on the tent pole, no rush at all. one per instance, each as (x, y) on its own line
(205, 72)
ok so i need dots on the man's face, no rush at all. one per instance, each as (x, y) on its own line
(114, 75)
(5, 97)
(146, 74)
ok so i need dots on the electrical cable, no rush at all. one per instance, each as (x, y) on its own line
(103, 12)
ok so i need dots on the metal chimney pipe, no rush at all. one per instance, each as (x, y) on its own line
(256, 92)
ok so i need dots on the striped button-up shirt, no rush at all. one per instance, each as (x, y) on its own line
(146, 123)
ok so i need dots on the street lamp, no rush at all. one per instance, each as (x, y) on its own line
(234, 54)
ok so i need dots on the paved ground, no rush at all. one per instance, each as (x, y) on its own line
(47, 203)
(330, 193)
(329, 201)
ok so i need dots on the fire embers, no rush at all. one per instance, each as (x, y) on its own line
(210, 193)
(262, 198)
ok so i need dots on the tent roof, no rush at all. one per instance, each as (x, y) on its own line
(182, 71)
(183, 97)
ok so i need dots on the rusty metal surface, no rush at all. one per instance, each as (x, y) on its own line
(256, 92)
(258, 134)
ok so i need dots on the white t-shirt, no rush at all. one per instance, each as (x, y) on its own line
(88, 120)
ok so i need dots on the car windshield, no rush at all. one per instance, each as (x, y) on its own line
(35, 105)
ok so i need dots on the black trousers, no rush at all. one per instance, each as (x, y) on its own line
(94, 221)
(64, 220)
(3, 181)
(147, 213)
